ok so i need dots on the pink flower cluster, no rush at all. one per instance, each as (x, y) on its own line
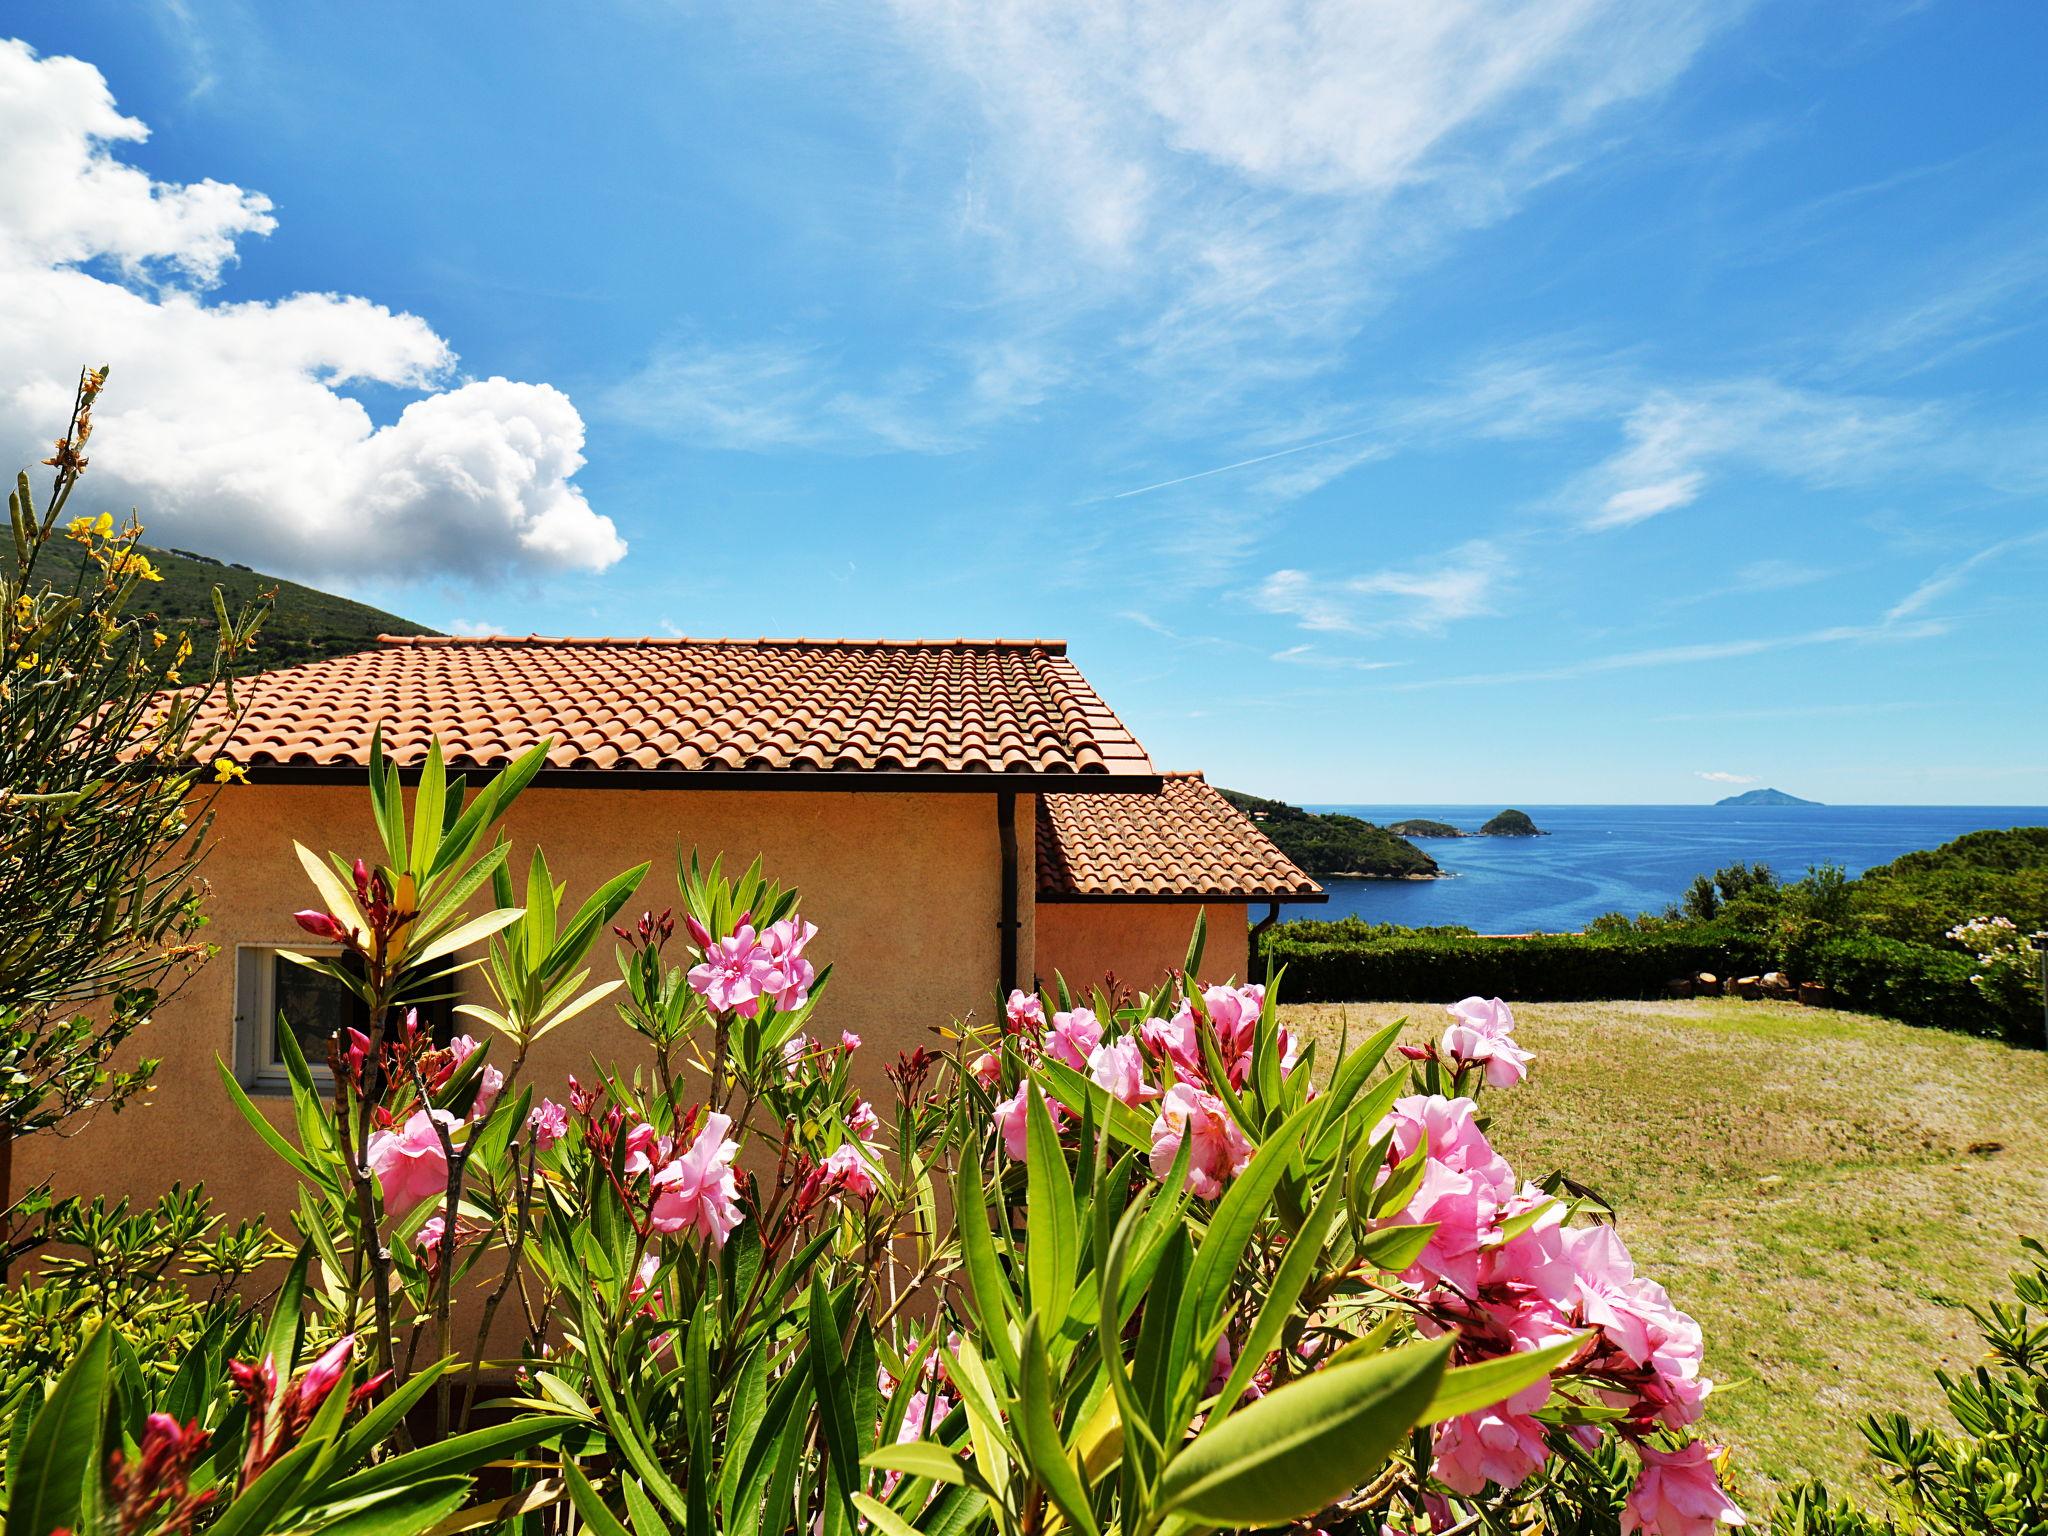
(737, 971)
(1233, 1017)
(691, 1189)
(1481, 1033)
(1546, 1283)
(1188, 1109)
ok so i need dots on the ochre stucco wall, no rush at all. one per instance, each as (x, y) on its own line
(904, 889)
(1137, 942)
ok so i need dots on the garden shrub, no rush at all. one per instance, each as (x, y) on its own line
(1416, 966)
(1918, 984)
(1986, 1477)
(1093, 1267)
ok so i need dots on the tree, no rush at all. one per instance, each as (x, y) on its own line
(104, 812)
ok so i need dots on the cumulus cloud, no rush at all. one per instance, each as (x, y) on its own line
(226, 423)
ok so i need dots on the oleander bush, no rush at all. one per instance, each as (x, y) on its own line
(1153, 1267)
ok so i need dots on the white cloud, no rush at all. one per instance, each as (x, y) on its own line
(1412, 601)
(1715, 776)
(1685, 655)
(1675, 435)
(225, 422)
(1951, 578)
(1248, 177)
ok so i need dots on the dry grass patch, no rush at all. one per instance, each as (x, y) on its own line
(1819, 1189)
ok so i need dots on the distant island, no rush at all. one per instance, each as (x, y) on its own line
(1765, 797)
(1422, 827)
(1512, 824)
(1330, 843)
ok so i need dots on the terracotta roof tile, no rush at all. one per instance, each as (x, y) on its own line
(954, 707)
(1187, 840)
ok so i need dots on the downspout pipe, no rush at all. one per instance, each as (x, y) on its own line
(1272, 916)
(1007, 924)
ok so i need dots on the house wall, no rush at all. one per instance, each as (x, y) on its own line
(904, 888)
(1137, 942)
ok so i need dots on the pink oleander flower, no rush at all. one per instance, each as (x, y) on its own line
(849, 1041)
(1220, 1148)
(1024, 1011)
(490, 1081)
(787, 980)
(864, 1122)
(1679, 1494)
(549, 1123)
(1465, 1184)
(409, 1163)
(986, 1069)
(733, 972)
(1502, 1445)
(848, 1170)
(1173, 1040)
(646, 1149)
(1482, 1031)
(1119, 1070)
(1013, 1118)
(1651, 1348)
(643, 1277)
(699, 1190)
(1073, 1037)
(794, 1050)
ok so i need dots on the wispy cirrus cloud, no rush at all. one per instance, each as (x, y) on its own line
(1720, 776)
(1419, 599)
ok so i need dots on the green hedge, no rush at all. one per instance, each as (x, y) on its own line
(1425, 967)
(1916, 983)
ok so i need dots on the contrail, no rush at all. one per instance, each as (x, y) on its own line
(1224, 469)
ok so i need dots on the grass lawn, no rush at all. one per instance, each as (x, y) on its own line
(1819, 1189)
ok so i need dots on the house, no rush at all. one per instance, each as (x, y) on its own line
(960, 817)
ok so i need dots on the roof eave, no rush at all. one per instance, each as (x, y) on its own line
(1178, 898)
(814, 780)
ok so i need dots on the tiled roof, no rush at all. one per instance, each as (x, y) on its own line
(941, 707)
(1187, 840)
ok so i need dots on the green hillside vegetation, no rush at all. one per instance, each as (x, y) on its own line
(305, 625)
(1422, 827)
(1511, 824)
(1328, 843)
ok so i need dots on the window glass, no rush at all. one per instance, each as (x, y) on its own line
(313, 1004)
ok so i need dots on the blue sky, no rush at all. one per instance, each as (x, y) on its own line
(1478, 402)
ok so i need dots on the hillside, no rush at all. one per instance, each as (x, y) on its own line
(1327, 843)
(1423, 827)
(1921, 895)
(1512, 824)
(306, 624)
(1765, 797)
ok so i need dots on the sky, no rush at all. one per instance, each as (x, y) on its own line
(1489, 401)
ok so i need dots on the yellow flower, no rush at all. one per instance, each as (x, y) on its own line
(227, 771)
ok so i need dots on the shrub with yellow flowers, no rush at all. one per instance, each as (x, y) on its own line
(104, 770)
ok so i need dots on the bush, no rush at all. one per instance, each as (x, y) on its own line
(1416, 966)
(1097, 1268)
(1989, 1479)
(1918, 984)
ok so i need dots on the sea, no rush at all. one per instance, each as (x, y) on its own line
(1630, 858)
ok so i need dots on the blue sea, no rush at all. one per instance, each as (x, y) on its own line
(1630, 858)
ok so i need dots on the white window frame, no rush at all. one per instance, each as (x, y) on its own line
(257, 1064)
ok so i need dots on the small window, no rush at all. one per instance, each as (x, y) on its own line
(314, 1005)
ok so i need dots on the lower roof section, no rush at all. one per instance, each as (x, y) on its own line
(1183, 843)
